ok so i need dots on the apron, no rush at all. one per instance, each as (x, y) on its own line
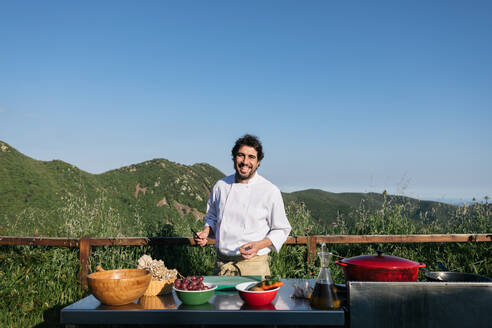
(238, 266)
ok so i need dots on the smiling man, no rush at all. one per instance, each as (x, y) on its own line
(246, 214)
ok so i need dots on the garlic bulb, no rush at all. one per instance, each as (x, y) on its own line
(144, 262)
(302, 291)
(157, 268)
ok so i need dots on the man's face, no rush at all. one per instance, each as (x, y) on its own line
(245, 163)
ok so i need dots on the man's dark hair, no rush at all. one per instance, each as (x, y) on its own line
(251, 141)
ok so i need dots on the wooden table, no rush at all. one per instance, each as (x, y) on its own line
(224, 308)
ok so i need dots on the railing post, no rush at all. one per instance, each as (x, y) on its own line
(84, 254)
(311, 249)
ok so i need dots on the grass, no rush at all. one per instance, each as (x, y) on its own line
(35, 283)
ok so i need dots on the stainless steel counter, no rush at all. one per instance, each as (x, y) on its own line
(225, 308)
(420, 304)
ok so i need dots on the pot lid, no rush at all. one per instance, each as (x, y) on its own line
(381, 261)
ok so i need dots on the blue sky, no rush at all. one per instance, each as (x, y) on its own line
(352, 96)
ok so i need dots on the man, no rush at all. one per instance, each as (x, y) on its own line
(246, 214)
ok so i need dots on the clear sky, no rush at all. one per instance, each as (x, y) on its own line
(352, 96)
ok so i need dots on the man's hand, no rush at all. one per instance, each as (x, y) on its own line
(201, 236)
(250, 249)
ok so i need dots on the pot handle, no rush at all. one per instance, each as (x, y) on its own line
(342, 263)
(421, 265)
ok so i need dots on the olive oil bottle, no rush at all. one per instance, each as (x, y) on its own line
(324, 296)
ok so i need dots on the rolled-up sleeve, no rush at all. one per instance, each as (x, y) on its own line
(279, 224)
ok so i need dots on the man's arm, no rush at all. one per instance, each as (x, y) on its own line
(279, 224)
(250, 249)
(210, 221)
(279, 230)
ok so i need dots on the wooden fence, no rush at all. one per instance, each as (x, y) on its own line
(84, 244)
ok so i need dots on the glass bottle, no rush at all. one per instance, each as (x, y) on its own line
(324, 296)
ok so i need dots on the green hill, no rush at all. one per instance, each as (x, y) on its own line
(26, 182)
(326, 206)
(42, 196)
(158, 190)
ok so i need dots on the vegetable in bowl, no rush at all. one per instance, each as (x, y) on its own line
(266, 285)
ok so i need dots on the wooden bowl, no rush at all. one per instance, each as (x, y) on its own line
(119, 287)
(157, 302)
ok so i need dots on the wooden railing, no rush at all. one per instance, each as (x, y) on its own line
(84, 244)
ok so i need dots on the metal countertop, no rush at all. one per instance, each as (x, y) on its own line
(225, 307)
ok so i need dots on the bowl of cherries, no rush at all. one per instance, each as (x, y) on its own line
(193, 291)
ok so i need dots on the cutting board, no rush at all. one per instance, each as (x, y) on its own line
(229, 282)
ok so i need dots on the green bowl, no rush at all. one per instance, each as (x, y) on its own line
(196, 297)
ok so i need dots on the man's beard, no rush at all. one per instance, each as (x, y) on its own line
(242, 177)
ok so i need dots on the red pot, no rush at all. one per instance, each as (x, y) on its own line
(380, 268)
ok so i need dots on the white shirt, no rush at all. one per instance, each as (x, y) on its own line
(239, 213)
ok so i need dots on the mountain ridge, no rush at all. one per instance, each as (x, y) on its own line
(159, 190)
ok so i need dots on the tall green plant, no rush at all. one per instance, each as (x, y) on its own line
(35, 283)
